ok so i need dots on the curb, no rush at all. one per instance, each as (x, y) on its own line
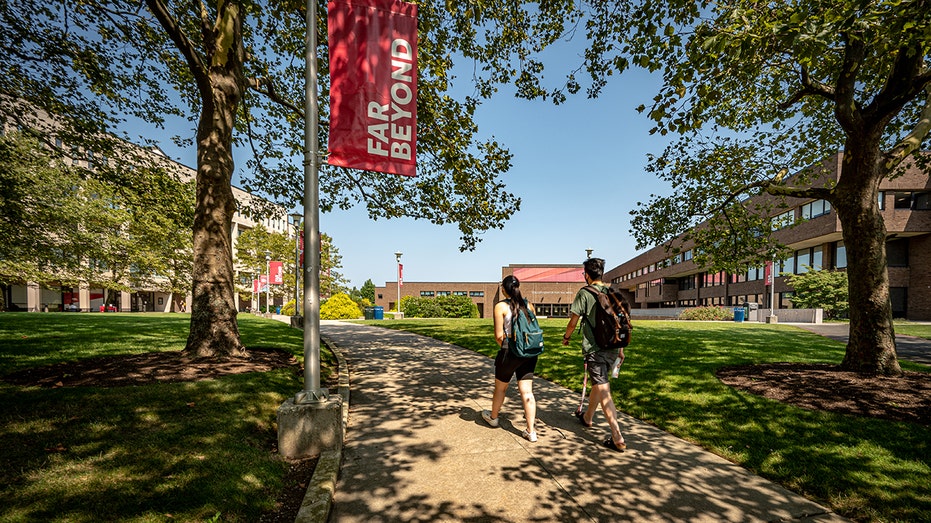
(318, 499)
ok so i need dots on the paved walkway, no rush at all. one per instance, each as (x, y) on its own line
(909, 348)
(416, 449)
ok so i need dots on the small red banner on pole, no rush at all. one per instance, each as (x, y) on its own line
(373, 85)
(400, 274)
(276, 273)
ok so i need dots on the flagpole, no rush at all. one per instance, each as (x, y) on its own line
(312, 392)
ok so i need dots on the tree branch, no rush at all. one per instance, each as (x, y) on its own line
(267, 87)
(195, 64)
(912, 140)
(903, 83)
(809, 87)
(846, 109)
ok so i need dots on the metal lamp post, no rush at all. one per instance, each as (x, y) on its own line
(295, 220)
(397, 256)
(588, 253)
(268, 281)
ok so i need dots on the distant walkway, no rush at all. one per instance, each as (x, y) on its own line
(909, 348)
(416, 449)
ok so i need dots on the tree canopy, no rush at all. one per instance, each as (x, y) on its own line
(760, 95)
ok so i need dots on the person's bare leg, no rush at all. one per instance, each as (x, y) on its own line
(609, 409)
(497, 399)
(530, 403)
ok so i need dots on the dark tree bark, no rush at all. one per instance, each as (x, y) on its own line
(221, 81)
(871, 346)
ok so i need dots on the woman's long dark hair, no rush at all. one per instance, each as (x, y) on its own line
(511, 286)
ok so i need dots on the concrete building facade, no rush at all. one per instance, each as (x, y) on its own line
(53, 296)
(551, 289)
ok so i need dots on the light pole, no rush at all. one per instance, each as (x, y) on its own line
(397, 256)
(588, 253)
(255, 272)
(295, 217)
(268, 281)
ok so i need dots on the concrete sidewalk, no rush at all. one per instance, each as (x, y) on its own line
(416, 449)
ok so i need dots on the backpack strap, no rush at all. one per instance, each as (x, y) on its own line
(594, 292)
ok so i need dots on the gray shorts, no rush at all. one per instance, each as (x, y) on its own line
(599, 365)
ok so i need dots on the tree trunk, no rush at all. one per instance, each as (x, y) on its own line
(214, 330)
(871, 347)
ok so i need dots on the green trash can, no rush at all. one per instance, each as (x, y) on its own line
(370, 313)
(379, 312)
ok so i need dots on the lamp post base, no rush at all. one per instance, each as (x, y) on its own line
(308, 429)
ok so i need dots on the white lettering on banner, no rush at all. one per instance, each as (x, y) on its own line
(395, 140)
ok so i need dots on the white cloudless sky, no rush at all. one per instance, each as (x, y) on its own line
(578, 167)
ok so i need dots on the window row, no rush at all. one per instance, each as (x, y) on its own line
(473, 294)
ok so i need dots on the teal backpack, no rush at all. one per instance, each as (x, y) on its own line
(526, 339)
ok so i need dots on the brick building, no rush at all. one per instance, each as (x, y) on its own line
(655, 279)
(550, 288)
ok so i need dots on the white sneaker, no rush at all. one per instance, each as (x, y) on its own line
(486, 415)
(529, 436)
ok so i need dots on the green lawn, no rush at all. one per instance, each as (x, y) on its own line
(166, 452)
(863, 468)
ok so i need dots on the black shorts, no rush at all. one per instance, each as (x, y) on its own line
(599, 365)
(507, 365)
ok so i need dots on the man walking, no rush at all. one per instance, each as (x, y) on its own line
(598, 361)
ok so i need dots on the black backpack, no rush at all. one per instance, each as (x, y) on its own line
(611, 327)
(526, 339)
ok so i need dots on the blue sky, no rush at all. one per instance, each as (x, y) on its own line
(578, 167)
(569, 160)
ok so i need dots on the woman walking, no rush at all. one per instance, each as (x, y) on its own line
(507, 365)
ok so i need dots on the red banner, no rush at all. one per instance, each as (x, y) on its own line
(277, 274)
(255, 286)
(400, 274)
(768, 273)
(373, 85)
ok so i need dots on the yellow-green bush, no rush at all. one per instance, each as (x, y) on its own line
(340, 307)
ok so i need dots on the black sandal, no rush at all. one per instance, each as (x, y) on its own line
(614, 446)
(581, 417)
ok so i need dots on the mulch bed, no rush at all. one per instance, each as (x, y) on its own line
(828, 387)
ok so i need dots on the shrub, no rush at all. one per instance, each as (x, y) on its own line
(826, 290)
(340, 307)
(439, 307)
(288, 308)
(708, 313)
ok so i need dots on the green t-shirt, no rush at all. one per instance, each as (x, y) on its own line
(584, 305)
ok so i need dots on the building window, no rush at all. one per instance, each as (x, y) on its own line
(477, 294)
(815, 209)
(460, 293)
(903, 200)
(380, 296)
(713, 279)
(802, 261)
(882, 200)
(687, 255)
(840, 256)
(687, 283)
(442, 293)
(897, 253)
(426, 294)
(921, 201)
(783, 220)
